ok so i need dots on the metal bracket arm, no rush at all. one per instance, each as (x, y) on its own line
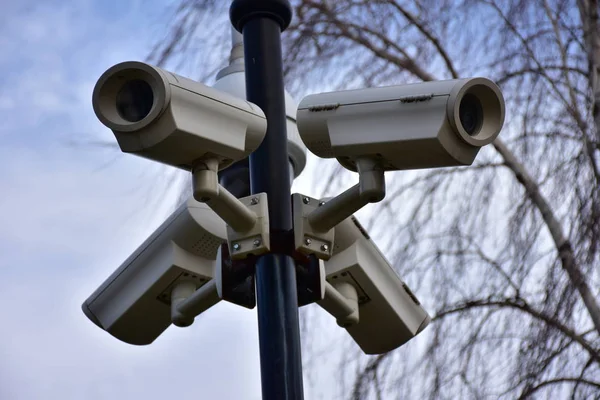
(370, 189)
(247, 218)
(187, 302)
(341, 301)
(207, 190)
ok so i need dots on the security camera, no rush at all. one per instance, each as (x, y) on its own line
(167, 118)
(140, 299)
(423, 125)
(366, 296)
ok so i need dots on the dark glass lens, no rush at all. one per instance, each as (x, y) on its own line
(134, 100)
(471, 114)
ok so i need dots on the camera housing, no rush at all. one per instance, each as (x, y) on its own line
(134, 303)
(167, 118)
(378, 309)
(422, 125)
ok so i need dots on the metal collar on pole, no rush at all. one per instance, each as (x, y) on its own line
(241, 11)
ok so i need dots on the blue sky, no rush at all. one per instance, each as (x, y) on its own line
(71, 212)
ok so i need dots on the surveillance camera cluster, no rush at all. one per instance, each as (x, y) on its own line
(176, 273)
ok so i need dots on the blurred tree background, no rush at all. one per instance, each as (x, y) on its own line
(506, 253)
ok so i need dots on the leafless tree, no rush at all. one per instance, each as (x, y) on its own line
(506, 253)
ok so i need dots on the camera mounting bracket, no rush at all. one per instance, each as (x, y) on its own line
(370, 189)
(341, 301)
(306, 239)
(247, 218)
(188, 301)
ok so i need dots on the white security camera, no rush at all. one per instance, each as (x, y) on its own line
(366, 296)
(140, 299)
(174, 120)
(423, 125)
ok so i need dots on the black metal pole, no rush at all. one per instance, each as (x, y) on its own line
(261, 22)
(236, 178)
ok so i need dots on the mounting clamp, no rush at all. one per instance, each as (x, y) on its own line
(247, 218)
(308, 240)
(256, 240)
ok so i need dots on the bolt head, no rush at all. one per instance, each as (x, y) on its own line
(257, 242)
(307, 241)
(305, 200)
(325, 247)
(236, 246)
(254, 201)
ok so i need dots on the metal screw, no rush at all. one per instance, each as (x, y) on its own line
(236, 246)
(305, 200)
(321, 203)
(257, 242)
(254, 201)
(325, 247)
(307, 241)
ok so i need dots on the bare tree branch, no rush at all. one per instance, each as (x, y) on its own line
(556, 381)
(522, 306)
(563, 245)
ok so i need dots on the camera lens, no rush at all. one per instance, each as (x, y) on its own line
(471, 114)
(134, 100)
